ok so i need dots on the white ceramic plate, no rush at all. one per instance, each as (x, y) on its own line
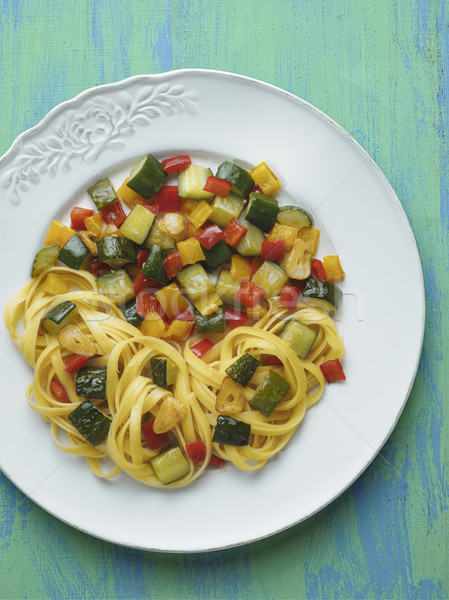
(212, 115)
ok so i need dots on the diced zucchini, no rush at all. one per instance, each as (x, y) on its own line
(231, 432)
(294, 216)
(322, 294)
(147, 177)
(251, 243)
(163, 370)
(116, 251)
(59, 316)
(227, 287)
(92, 424)
(226, 208)
(44, 259)
(299, 337)
(243, 369)
(191, 182)
(170, 465)
(74, 253)
(217, 256)
(214, 322)
(242, 182)
(137, 224)
(102, 193)
(129, 312)
(117, 286)
(195, 281)
(270, 393)
(159, 238)
(207, 304)
(262, 211)
(153, 266)
(91, 383)
(271, 277)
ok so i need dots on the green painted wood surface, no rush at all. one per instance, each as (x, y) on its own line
(381, 70)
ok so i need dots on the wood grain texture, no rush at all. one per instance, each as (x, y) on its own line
(380, 69)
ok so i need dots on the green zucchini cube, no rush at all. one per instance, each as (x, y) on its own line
(74, 253)
(147, 177)
(243, 369)
(270, 393)
(102, 193)
(116, 251)
(91, 383)
(241, 180)
(92, 424)
(59, 316)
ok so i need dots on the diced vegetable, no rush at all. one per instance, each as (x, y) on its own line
(179, 330)
(332, 268)
(116, 251)
(89, 240)
(201, 213)
(147, 177)
(217, 256)
(113, 214)
(170, 414)
(191, 183)
(92, 424)
(59, 316)
(153, 266)
(270, 393)
(58, 234)
(94, 224)
(265, 179)
(117, 286)
(196, 451)
(201, 348)
(332, 371)
(216, 461)
(323, 294)
(110, 230)
(231, 432)
(318, 270)
(154, 440)
(239, 267)
(188, 206)
(195, 281)
(145, 283)
(137, 224)
(225, 209)
(74, 253)
(191, 251)
(299, 337)
(262, 211)
(256, 312)
(153, 325)
(311, 237)
(227, 287)
(167, 199)
(146, 302)
(283, 232)
(249, 294)
(102, 193)
(241, 181)
(175, 164)
(174, 225)
(294, 217)
(163, 370)
(255, 263)
(127, 195)
(230, 398)
(273, 250)
(129, 312)
(170, 465)
(71, 338)
(214, 322)
(289, 296)
(45, 259)
(243, 369)
(298, 262)
(54, 285)
(171, 300)
(173, 264)
(77, 216)
(157, 238)
(215, 185)
(271, 277)
(58, 390)
(91, 383)
(74, 362)
(251, 243)
(209, 304)
(210, 236)
(235, 318)
(97, 268)
(233, 233)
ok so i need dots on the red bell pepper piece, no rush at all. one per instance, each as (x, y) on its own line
(196, 451)
(98, 268)
(234, 233)
(147, 302)
(210, 236)
(145, 283)
(254, 263)
(235, 318)
(218, 186)
(74, 362)
(176, 163)
(173, 264)
(332, 371)
(200, 348)
(113, 214)
(142, 255)
(77, 216)
(270, 359)
(151, 207)
(58, 390)
(168, 200)
(273, 250)
(216, 460)
(289, 296)
(318, 269)
(186, 315)
(154, 440)
(249, 294)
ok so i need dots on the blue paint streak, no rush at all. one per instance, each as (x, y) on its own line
(97, 38)
(164, 44)
(443, 125)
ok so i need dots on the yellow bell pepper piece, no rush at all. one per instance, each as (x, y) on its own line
(153, 325)
(110, 230)
(311, 237)
(172, 300)
(284, 232)
(129, 196)
(54, 285)
(208, 304)
(265, 179)
(94, 224)
(58, 234)
(89, 240)
(332, 268)
(188, 206)
(179, 330)
(239, 268)
(298, 262)
(193, 231)
(201, 213)
(190, 251)
(257, 312)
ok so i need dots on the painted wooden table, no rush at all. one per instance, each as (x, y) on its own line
(381, 70)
